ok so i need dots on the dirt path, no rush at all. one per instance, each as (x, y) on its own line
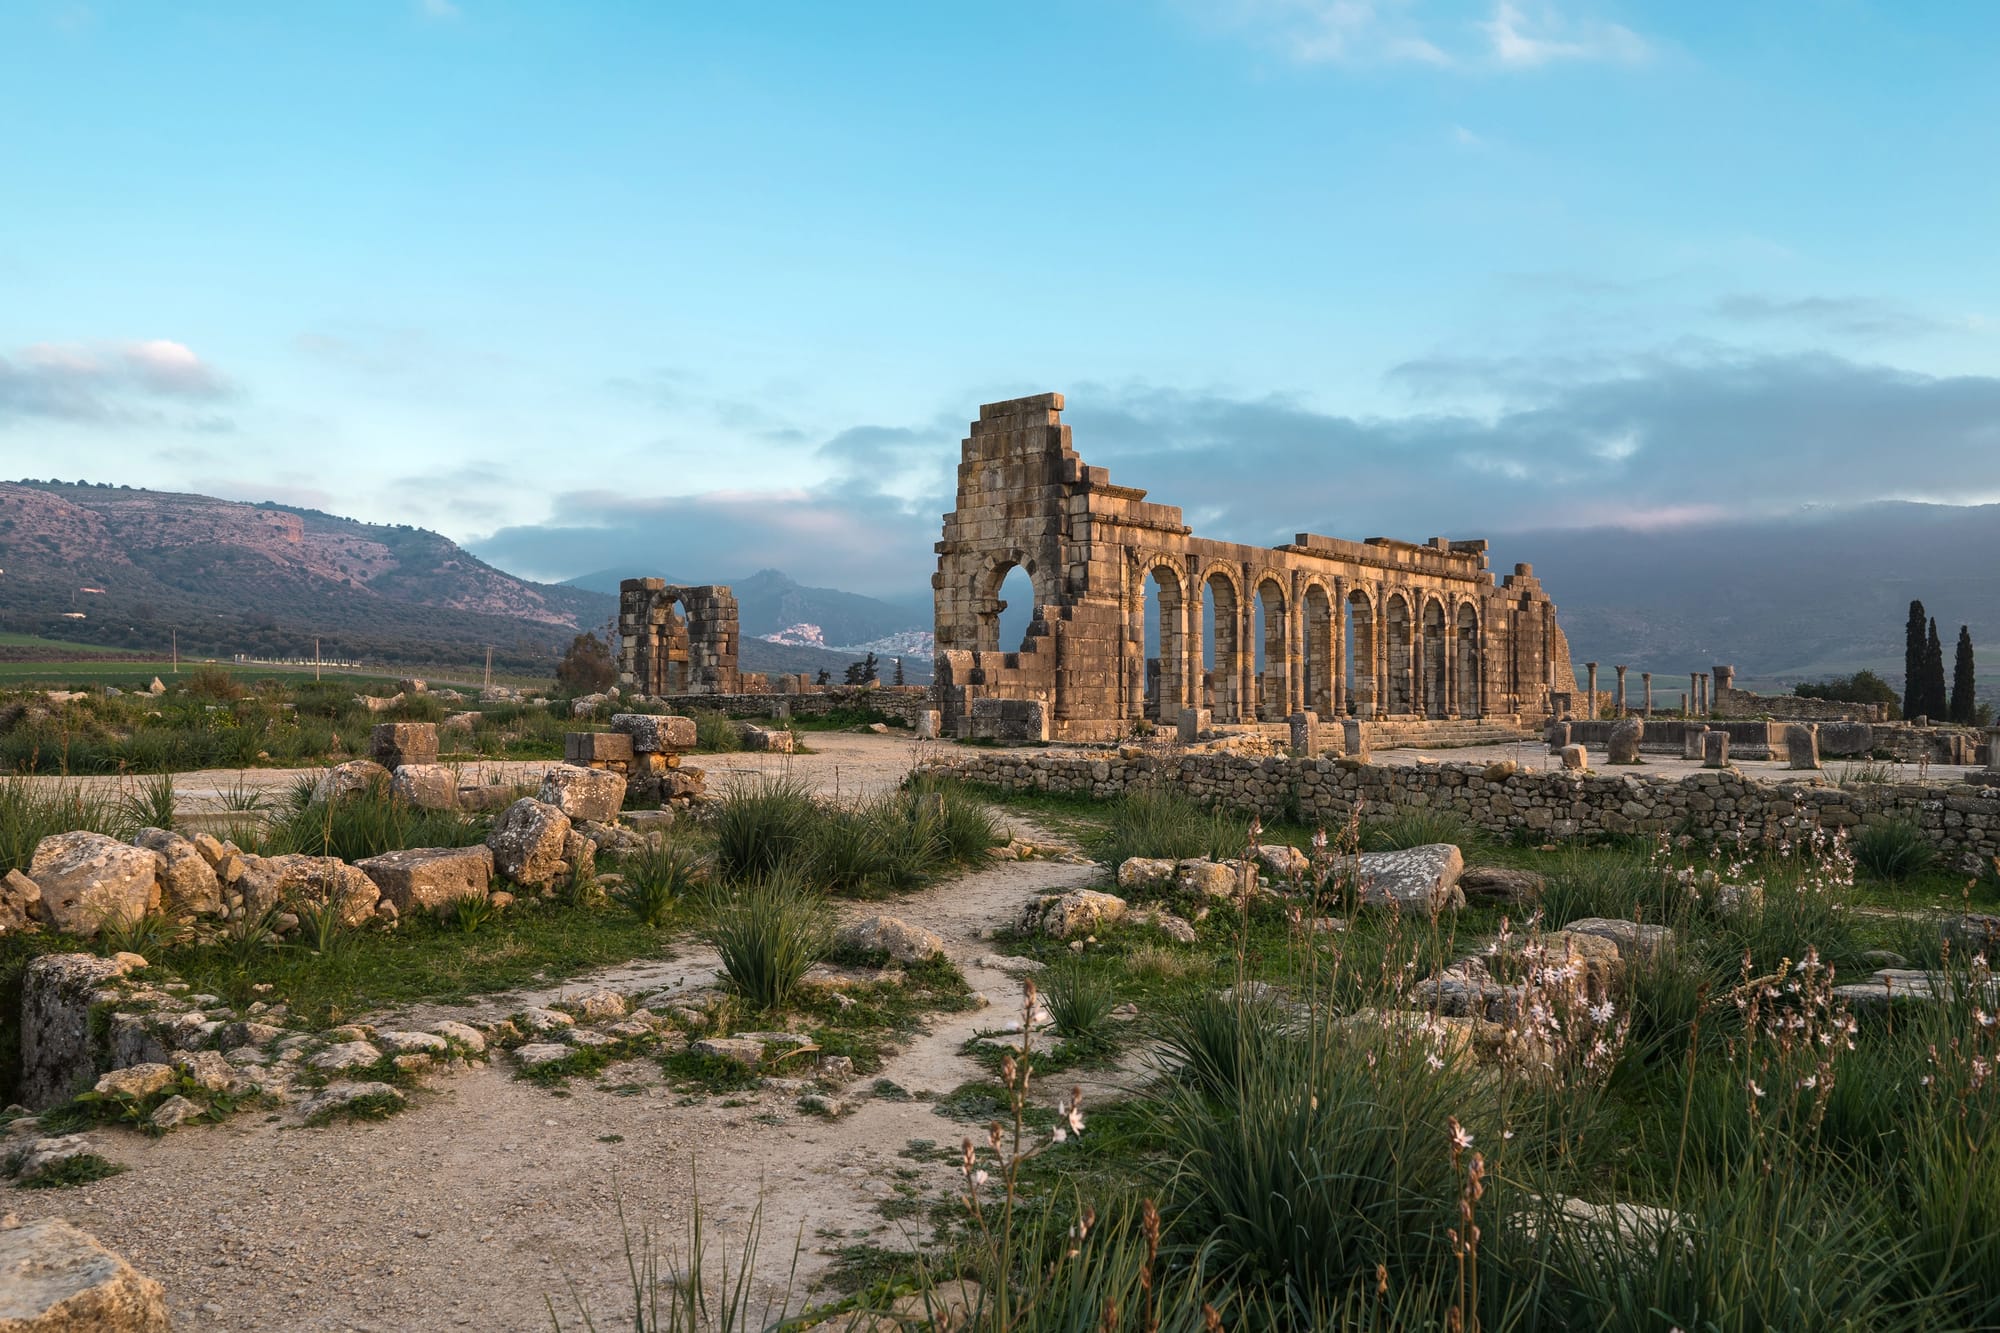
(490, 1196)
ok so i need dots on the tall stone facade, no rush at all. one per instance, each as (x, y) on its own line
(674, 639)
(1368, 629)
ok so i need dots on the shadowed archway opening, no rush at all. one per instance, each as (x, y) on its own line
(1222, 662)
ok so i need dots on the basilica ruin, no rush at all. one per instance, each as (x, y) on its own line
(1319, 628)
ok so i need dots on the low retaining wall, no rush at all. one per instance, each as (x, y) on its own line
(1962, 821)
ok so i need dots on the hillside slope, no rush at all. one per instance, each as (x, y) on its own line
(127, 568)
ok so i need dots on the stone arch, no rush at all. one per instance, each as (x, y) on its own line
(1435, 689)
(1319, 625)
(1467, 647)
(1399, 655)
(1272, 605)
(987, 603)
(1162, 689)
(1222, 659)
(1363, 637)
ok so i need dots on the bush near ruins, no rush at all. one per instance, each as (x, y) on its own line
(1863, 687)
(586, 668)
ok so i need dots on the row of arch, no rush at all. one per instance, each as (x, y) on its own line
(1247, 657)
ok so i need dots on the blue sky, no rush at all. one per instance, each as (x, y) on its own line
(699, 288)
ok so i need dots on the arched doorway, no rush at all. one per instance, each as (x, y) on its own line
(1164, 645)
(1467, 645)
(1274, 652)
(1437, 660)
(1317, 660)
(1363, 692)
(1222, 656)
(1400, 653)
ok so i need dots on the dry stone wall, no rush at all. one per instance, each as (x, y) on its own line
(1961, 820)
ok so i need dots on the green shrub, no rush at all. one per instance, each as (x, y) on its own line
(1895, 850)
(367, 824)
(964, 823)
(148, 805)
(1209, 1039)
(769, 934)
(31, 811)
(717, 733)
(655, 881)
(762, 825)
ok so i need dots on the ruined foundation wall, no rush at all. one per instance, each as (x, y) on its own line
(1961, 820)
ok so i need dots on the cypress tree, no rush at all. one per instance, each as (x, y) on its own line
(1962, 704)
(1934, 703)
(1913, 661)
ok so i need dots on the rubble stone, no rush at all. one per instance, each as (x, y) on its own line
(87, 879)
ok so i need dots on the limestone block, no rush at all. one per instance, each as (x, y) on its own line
(1073, 914)
(393, 744)
(1283, 861)
(1847, 740)
(356, 777)
(1623, 745)
(597, 747)
(1501, 884)
(774, 739)
(1215, 879)
(425, 786)
(20, 902)
(430, 878)
(58, 1279)
(1557, 736)
(87, 879)
(1636, 941)
(1145, 872)
(1715, 749)
(1354, 739)
(527, 842)
(1422, 879)
(1802, 745)
(584, 793)
(188, 884)
(1575, 758)
(273, 881)
(929, 724)
(59, 1057)
(894, 936)
(654, 733)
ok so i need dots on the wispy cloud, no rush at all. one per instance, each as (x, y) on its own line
(103, 381)
(1849, 316)
(438, 9)
(1516, 36)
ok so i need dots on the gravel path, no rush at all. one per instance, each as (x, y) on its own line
(490, 1197)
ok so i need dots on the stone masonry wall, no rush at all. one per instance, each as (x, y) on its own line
(1963, 821)
(902, 702)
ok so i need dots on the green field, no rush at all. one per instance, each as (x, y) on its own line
(80, 665)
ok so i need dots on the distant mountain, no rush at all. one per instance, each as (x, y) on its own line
(134, 569)
(770, 602)
(1820, 593)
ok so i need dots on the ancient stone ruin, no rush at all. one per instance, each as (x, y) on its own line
(1321, 626)
(674, 639)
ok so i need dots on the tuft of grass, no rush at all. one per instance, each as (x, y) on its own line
(1895, 850)
(469, 912)
(655, 882)
(146, 934)
(717, 733)
(148, 805)
(1080, 999)
(769, 935)
(1419, 828)
(1163, 822)
(762, 824)
(368, 824)
(79, 1170)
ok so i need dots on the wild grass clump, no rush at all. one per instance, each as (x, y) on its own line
(1079, 998)
(1409, 828)
(656, 882)
(1895, 850)
(769, 935)
(150, 804)
(717, 733)
(1165, 823)
(31, 811)
(763, 824)
(367, 824)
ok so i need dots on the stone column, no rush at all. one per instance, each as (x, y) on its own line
(1703, 705)
(1621, 689)
(1693, 698)
(1646, 680)
(1725, 681)
(1590, 692)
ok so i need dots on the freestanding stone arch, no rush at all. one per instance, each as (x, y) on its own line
(1493, 648)
(676, 638)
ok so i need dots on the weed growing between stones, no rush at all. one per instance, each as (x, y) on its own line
(82, 1169)
(769, 934)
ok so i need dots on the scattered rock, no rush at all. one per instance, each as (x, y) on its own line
(597, 1006)
(1216, 879)
(356, 777)
(543, 1020)
(340, 1096)
(1284, 861)
(1079, 912)
(740, 1050)
(1635, 941)
(135, 1081)
(1146, 872)
(528, 840)
(412, 1043)
(188, 883)
(174, 1112)
(894, 936)
(1415, 879)
(345, 1055)
(269, 881)
(20, 902)
(471, 1038)
(425, 786)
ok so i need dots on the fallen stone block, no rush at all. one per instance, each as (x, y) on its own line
(430, 879)
(57, 1279)
(1069, 915)
(528, 841)
(1420, 879)
(893, 936)
(59, 1051)
(425, 786)
(584, 793)
(393, 744)
(87, 879)
(656, 733)
(1501, 884)
(356, 777)
(776, 740)
(597, 747)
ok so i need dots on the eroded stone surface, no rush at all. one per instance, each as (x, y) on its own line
(87, 879)
(57, 1279)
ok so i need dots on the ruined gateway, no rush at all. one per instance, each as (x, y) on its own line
(1369, 630)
